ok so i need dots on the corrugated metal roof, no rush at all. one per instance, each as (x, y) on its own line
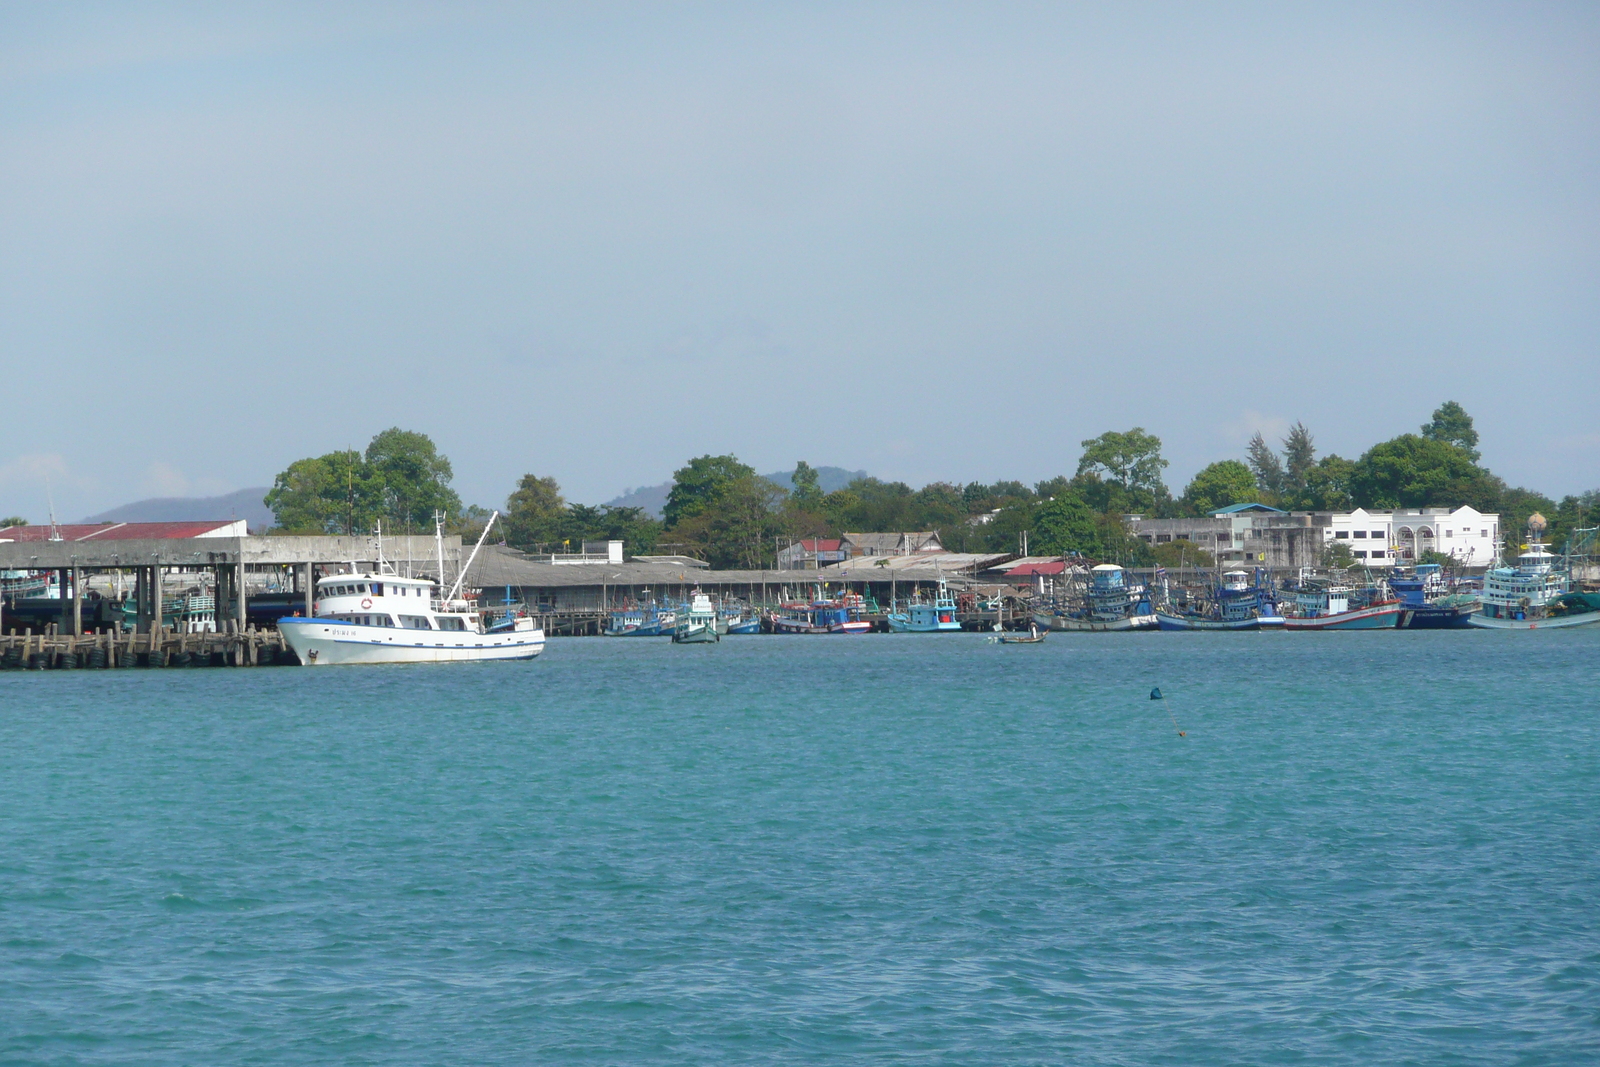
(128, 531)
(1029, 569)
(821, 544)
(1233, 509)
(926, 565)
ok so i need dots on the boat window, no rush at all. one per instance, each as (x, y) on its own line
(415, 622)
(377, 588)
(361, 587)
(448, 623)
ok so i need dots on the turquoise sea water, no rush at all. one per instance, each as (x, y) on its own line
(1369, 848)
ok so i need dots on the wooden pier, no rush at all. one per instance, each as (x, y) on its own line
(232, 647)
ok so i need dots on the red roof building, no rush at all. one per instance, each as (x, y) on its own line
(126, 531)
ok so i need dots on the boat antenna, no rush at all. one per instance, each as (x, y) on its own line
(50, 497)
(438, 544)
(454, 589)
(382, 563)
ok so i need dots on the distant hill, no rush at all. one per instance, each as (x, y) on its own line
(653, 498)
(829, 479)
(245, 504)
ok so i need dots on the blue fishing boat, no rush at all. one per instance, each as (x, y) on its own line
(1108, 602)
(921, 617)
(1236, 603)
(841, 616)
(1428, 602)
(649, 620)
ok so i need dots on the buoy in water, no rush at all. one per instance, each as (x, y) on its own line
(1155, 694)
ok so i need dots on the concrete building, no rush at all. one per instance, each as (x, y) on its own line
(1246, 534)
(1227, 533)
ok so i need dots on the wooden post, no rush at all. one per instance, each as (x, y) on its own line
(239, 612)
(309, 589)
(64, 615)
(77, 602)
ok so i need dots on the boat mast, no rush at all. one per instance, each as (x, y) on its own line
(454, 589)
(438, 544)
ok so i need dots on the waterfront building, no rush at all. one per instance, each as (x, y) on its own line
(1378, 538)
(1227, 533)
(1385, 537)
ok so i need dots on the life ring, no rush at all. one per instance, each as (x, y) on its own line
(366, 604)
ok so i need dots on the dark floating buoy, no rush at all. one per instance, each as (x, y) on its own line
(1155, 694)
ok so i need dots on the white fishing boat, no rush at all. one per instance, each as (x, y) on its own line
(1536, 594)
(697, 624)
(377, 617)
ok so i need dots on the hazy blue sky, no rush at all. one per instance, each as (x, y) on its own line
(936, 242)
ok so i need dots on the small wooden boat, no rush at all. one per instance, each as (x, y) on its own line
(1034, 636)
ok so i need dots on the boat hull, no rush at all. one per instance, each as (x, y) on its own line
(1062, 623)
(1558, 622)
(1429, 618)
(696, 635)
(1377, 617)
(1184, 622)
(327, 642)
(906, 626)
(748, 626)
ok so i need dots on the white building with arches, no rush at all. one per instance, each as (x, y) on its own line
(1400, 536)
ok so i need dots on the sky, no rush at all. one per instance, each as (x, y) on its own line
(938, 242)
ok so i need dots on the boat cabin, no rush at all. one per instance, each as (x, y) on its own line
(387, 600)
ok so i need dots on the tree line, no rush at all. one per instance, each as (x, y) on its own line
(720, 510)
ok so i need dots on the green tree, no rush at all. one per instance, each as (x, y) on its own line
(1131, 460)
(1327, 486)
(700, 485)
(334, 493)
(413, 476)
(1452, 425)
(1299, 456)
(12, 520)
(807, 495)
(1222, 483)
(1336, 555)
(740, 529)
(1266, 466)
(870, 504)
(1052, 486)
(535, 512)
(1514, 507)
(1181, 553)
(402, 480)
(1574, 513)
(1412, 472)
(581, 522)
(1066, 525)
